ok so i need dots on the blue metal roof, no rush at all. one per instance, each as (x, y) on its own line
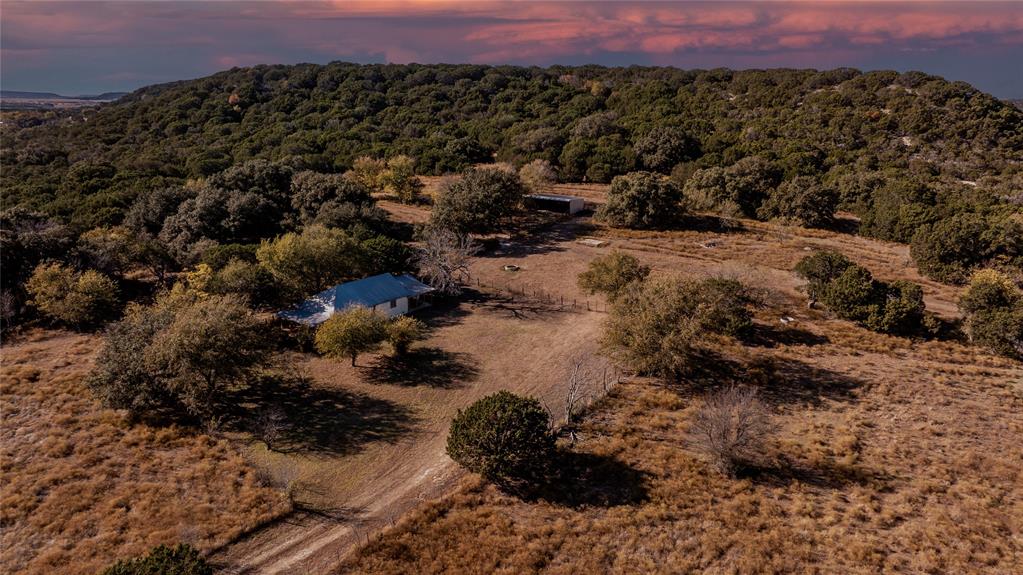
(367, 292)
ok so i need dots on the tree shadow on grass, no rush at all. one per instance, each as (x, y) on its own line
(778, 380)
(538, 233)
(443, 311)
(794, 381)
(782, 470)
(320, 420)
(428, 366)
(578, 479)
(765, 335)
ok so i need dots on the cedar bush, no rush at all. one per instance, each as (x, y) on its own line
(662, 148)
(503, 437)
(820, 269)
(851, 292)
(803, 200)
(946, 250)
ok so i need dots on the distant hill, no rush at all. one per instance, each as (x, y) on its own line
(5, 94)
(880, 139)
(15, 100)
(16, 95)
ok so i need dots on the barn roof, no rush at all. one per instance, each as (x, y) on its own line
(367, 292)
(554, 197)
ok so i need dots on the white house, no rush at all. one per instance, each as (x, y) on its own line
(391, 295)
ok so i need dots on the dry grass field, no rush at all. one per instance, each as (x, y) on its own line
(369, 442)
(81, 488)
(892, 455)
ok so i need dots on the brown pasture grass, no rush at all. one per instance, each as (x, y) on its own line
(81, 488)
(891, 455)
(919, 472)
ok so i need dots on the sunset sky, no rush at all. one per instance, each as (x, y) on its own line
(90, 47)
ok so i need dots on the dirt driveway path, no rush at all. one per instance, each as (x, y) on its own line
(487, 342)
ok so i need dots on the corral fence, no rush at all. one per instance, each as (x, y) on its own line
(532, 293)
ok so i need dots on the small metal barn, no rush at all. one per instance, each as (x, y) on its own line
(555, 203)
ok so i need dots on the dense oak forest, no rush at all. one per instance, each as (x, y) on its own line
(89, 165)
(918, 159)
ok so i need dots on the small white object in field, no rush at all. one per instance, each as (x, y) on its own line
(511, 268)
(591, 242)
(787, 319)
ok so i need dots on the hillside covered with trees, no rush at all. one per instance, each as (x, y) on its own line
(168, 175)
(883, 139)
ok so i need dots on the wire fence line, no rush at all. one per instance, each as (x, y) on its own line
(537, 294)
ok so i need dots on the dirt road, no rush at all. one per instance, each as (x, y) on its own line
(487, 342)
(491, 343)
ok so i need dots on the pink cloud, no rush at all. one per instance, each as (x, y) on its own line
(225, 34)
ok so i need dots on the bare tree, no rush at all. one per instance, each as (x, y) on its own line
(8, 308)
(589, 374)
(538, 175)
(444, 259)
(271, 423)
(731, 428)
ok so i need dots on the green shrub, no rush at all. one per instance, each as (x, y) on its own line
(948, 249)
(853, 295)
(401, 180)
(728, 306)
(502, 437)
(735, 191)
(999, 330)
(313, 260)
(481, 201)
(72, 298)
(902, 312)
(664, 147)
(642, 200)
(403, 331)
(350, 332)
(163, 560)
(820, 269)
(220, 255)
(611, 274)
(803, 200)
(993, 305)
(851, 292)
(657, 326)
(989, 289)
(178, 356)
(247, 279)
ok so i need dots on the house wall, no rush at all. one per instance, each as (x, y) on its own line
(400, 309)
